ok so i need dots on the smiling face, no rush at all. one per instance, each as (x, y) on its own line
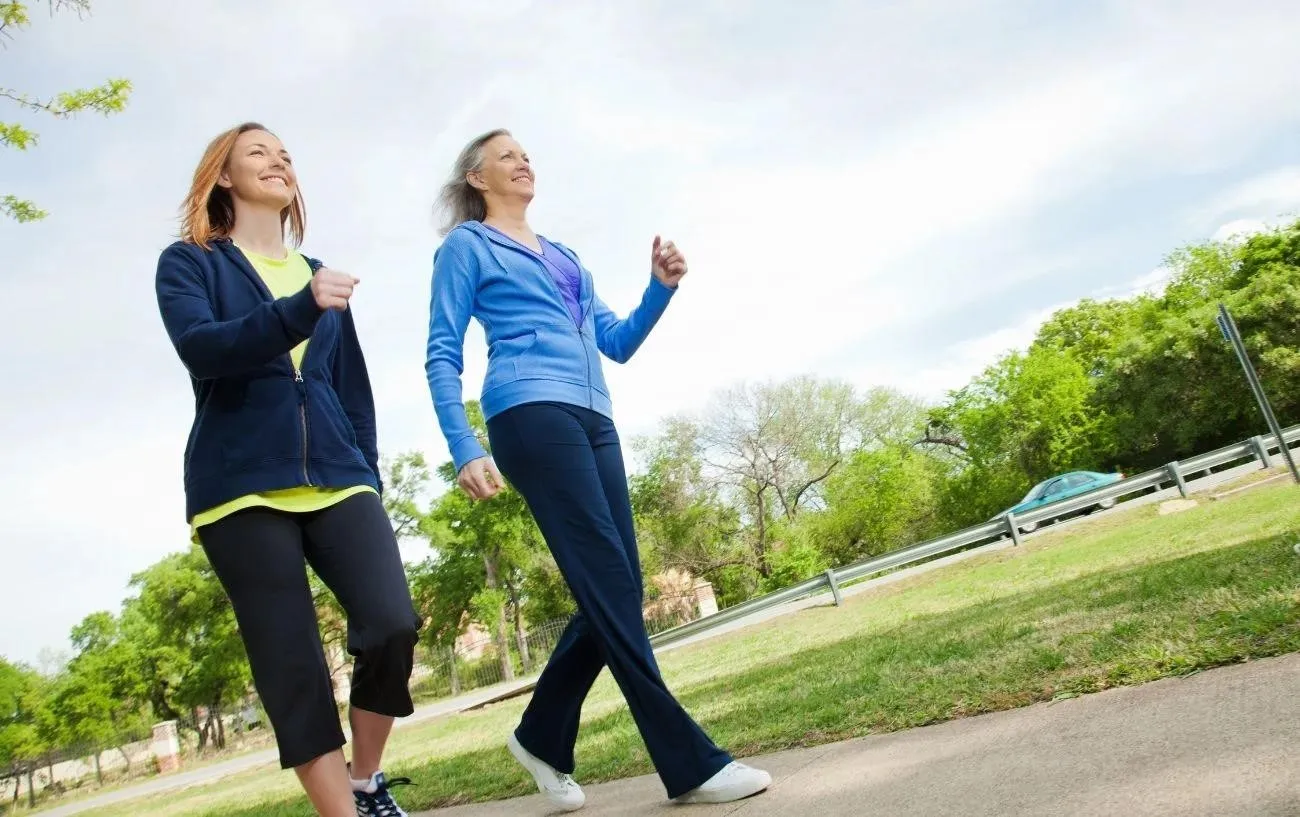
(259, 171)
(504, 172)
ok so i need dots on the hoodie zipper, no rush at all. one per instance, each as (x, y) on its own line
(586, 308)
(302, 394)
(591, 400)
(242, 261)
(302, 418)
(555, 289)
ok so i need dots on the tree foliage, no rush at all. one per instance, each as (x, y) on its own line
(195, 657)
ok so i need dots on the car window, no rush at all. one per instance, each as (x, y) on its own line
(1077, 480)
(1054, 487)
(1035, 492)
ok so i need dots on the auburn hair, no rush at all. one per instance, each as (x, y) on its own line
(209, 212)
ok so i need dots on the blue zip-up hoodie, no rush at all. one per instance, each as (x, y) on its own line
(536, 352)
(259, 425)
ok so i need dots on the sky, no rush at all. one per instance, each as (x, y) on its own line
(891, 193)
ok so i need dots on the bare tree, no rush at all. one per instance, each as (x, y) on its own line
(774, 444)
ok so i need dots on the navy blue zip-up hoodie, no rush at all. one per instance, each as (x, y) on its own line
(259, 425)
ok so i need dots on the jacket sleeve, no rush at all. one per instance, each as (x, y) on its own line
(619, 338)
(455, 283)
(352, 385)
(210, 348)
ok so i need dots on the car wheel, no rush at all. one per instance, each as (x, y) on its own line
(1106, 504)
(1029, 527)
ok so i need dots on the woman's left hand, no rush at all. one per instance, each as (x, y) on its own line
(667, 263)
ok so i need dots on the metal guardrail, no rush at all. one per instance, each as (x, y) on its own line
(1259, 448)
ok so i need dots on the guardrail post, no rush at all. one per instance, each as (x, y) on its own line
(1178, 478)
(1014, 529)
(1261, 453)
(835, 588)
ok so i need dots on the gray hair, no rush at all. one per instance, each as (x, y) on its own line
(459, 201)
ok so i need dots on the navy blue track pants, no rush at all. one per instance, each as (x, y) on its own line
(567, 463)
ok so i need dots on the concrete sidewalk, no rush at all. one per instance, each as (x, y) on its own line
(1224, 742)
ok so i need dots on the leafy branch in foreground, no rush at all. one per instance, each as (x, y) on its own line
(106, 99)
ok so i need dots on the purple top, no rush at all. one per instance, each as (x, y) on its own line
(565, 273)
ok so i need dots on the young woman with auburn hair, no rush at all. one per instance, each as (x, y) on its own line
(281, 466)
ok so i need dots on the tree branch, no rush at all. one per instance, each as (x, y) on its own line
(943, 439)
(798, 495)
(15, 13)
(107, 98)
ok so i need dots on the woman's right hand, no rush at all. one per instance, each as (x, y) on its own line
(480, 478)
(332, 288)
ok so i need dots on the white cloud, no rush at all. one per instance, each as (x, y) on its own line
(1266, 197)
(1238, 229)
(1150, 283)
(954, 365)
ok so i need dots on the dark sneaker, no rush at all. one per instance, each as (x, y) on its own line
(376, 800)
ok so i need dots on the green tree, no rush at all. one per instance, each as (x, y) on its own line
(189, 639)
(1025, 418)
(22, 693)
(406, 487)
(501, 535)
(1091, 331)
(681, 518)
(108, 98)
(1174, 356)
(443, 587)
(881, 500)
(100, 699)
(548, 597)
(775, 444)
(493, 533)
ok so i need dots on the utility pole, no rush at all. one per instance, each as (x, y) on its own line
(1229, 329)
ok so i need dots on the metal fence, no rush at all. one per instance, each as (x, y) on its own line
(1175, 473)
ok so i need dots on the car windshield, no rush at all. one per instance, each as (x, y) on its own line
(1035, 492)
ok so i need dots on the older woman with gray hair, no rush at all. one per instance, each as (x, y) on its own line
(549, 423)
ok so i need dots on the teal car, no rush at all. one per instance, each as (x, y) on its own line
(1059, 487)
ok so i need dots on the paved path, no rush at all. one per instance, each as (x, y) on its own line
(1222, 742)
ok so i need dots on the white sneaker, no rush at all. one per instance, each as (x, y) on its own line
(558, 787)
(736, 781)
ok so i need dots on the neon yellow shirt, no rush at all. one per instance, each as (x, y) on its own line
(284, 277)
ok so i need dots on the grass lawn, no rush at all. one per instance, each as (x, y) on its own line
(1122, 599)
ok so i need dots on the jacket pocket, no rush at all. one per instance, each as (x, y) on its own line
(257, 419)
(559, 354)
(503, 357)
(332, 434)
(340, 416)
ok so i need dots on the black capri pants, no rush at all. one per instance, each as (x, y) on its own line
(260, 555)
